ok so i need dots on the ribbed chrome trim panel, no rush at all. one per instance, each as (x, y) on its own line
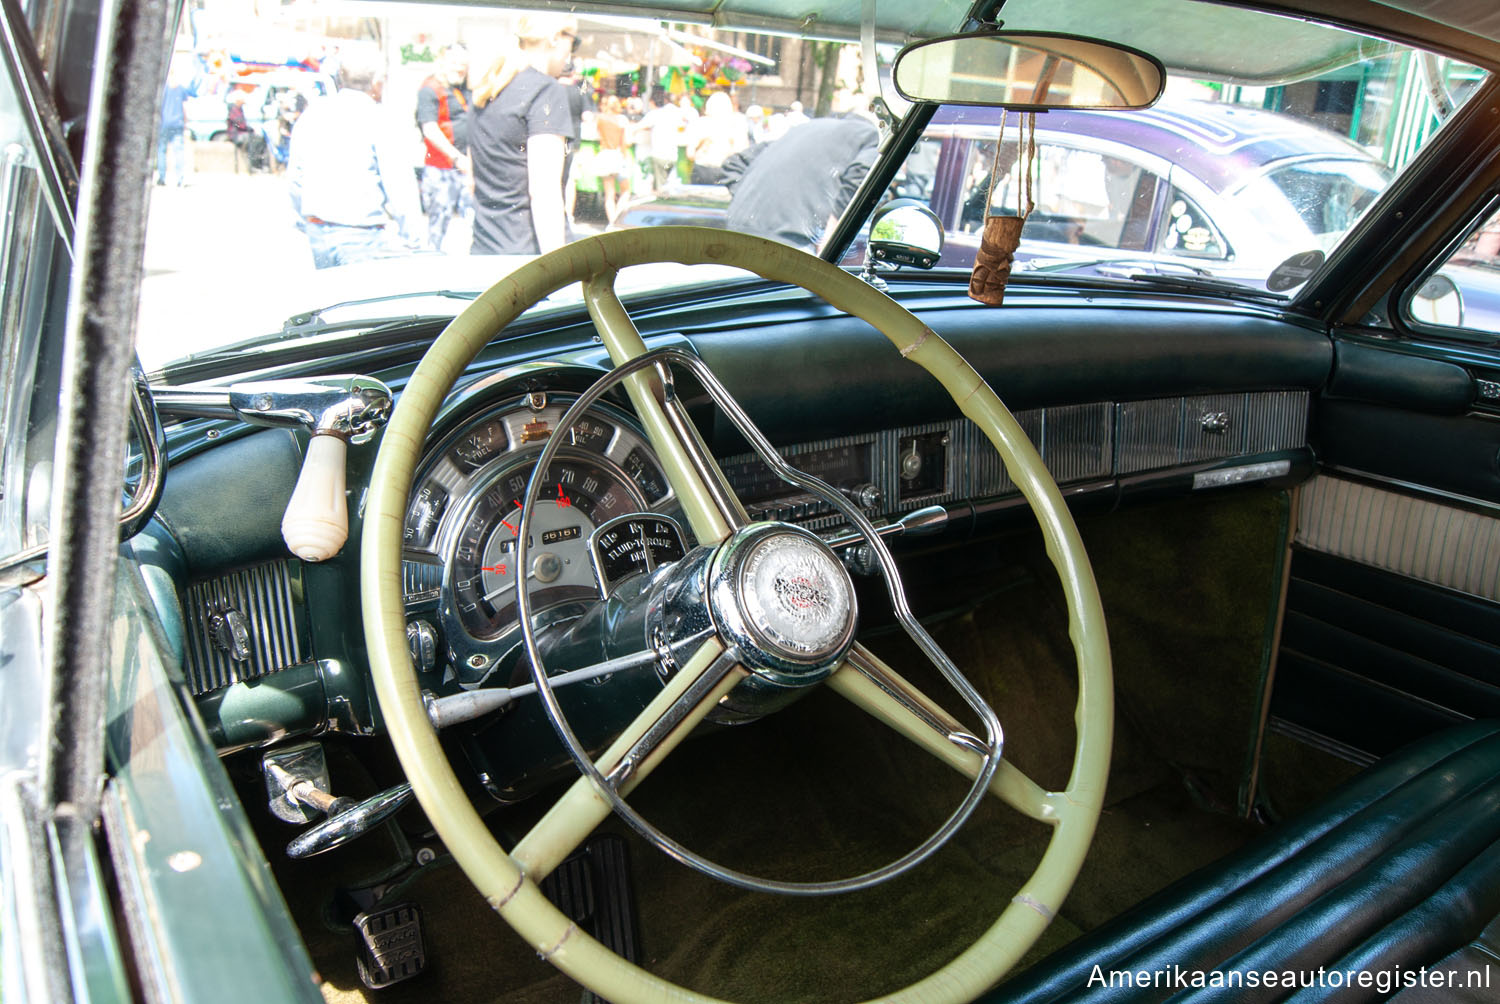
(1198, 442)
(421, 581)
(1078, 442)
(264, 596)
(1419, 538)
(1193, 430)
(1149, 435)
(1276, 421)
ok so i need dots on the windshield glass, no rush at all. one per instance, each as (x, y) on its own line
(326, 168)
(1219, 180)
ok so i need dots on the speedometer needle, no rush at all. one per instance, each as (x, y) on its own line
(502, 588)
(507, 525)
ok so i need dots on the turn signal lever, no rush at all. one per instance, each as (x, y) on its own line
(335, 411)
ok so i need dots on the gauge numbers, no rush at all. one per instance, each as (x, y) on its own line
(578, 494)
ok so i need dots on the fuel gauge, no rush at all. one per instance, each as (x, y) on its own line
(626, 545)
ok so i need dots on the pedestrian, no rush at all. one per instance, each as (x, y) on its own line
(350, 173)
(613, 160)
(715, 136)
(793, 189)
(248, 141)
(518, 138)
(171, 142)
(442, 115)
(664, 126)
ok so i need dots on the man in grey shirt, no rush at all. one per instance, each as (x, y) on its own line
(793, 188)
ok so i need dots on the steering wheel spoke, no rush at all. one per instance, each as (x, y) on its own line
(683, 703)
(712, 509)
(877, 689)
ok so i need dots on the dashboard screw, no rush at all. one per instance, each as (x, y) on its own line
(477, 661)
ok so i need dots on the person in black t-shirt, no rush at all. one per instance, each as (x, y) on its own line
(518, 141)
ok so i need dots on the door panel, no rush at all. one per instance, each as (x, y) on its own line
(1391, 627)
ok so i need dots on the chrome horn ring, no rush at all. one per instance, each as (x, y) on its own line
(607, 786)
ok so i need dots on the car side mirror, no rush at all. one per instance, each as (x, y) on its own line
(1028, 72)
(1438, 301)
(905, 232)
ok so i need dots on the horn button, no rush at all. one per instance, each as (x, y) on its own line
(779, 595)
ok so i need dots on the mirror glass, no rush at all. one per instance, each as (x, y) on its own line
(912, 225)
(1027, 72)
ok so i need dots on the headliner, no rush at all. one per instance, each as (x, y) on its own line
(1207, 39)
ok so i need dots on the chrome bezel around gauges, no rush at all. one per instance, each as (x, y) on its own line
(475, 650)
(509, 433)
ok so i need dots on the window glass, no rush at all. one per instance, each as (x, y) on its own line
(25, 446)
(1187, 230)
(1080, 196)
(1229, 179)
(1464, 292)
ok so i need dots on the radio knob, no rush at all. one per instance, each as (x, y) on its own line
(866, 496)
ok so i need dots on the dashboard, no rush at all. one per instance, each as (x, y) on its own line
(272, 646)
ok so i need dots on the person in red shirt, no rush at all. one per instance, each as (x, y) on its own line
(442, 113)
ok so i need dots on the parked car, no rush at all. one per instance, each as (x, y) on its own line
(691, 629)
(208, 114)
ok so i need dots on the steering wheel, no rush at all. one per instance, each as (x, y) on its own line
(509, 880)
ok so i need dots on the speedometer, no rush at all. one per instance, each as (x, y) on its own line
(579, 493)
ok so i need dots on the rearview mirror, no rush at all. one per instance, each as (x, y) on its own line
(1028, 72)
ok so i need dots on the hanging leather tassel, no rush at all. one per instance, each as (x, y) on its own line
(1002, 234)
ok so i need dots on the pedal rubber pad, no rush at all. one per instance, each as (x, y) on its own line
(391, 947)
(593, 888)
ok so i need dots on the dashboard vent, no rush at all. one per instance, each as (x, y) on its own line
(244, 625)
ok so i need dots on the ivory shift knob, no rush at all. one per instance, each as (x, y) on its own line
(316, 523)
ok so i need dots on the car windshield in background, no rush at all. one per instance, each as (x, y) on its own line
(383, 163)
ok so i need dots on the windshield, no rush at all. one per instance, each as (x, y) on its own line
(321, 172)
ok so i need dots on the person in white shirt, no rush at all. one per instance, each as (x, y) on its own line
(665, 124)
(350, 172)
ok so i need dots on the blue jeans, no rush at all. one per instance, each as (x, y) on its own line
(444, 192)
(333, 244)
(171, 156)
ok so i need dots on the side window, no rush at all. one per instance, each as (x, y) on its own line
(1187, 231)
(1082, 197)
(1463, 292)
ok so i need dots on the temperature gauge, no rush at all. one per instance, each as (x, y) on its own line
(640, 542)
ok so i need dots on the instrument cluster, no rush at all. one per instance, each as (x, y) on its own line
(603, 512)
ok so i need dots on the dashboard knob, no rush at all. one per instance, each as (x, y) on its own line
(421, 642)
(861, 560)
(866, 496)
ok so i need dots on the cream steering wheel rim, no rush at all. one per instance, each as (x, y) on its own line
(1073, 812)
